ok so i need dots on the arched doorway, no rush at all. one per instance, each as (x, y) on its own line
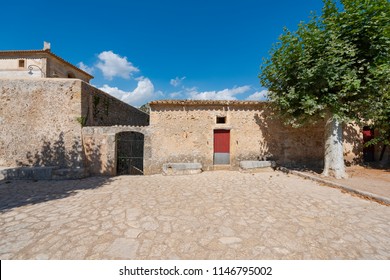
(130, 153)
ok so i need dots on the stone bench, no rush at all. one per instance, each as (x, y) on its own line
(252, 165)
(181, 168)
(42, 173)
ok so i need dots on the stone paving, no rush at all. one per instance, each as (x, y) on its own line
(212, 215)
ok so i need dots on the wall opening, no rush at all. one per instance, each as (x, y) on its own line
(368, 152)
(71, 75)
(130, 153)
(221, 119)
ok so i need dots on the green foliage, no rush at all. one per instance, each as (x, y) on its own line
(336, 63)
(102, 108)
(96, 100)
(145, 108)
(82, 121)
(106, 103)
(95, 103)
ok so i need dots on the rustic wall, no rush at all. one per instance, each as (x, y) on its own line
(38, 122)
(102, 109)
(101, 148)
(56, 68)
(183, 132)
(41, 120)
(353, 144)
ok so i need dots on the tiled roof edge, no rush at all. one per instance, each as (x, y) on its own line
(206, 102)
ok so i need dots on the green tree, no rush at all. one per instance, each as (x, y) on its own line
(335, 66)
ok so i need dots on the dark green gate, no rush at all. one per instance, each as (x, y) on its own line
(130, 153)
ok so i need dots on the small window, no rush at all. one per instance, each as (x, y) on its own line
(21, 63)
(221, 119)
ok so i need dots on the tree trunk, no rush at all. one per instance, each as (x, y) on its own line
(334, 158)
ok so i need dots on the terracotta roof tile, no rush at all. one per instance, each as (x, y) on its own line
(206, 102)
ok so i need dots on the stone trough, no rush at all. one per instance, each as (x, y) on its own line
(256, 165)
(182, 168)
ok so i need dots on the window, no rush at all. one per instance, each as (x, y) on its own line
(221, 119)
(21, 63)
(71, 75)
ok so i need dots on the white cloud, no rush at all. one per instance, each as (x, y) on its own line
(143, 93)
(226, 94)
(177, 81)
(259, 95)
(85, 68)
(113, 65)
(176, 95)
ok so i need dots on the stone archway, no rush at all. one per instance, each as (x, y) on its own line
(129, 153)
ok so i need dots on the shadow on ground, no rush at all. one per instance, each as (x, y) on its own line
(19, 193)
(59, 154)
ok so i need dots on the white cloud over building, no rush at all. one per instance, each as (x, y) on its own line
(143, 93)
(113, 65)
(85, 68)
(177, 81)
(258, 96)
(225, 94)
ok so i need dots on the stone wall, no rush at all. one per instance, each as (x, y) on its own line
(56, 68)
(101, 148)
(183, 132)
(353, 144)
(41, 120)
(38, 122)
(102, 109)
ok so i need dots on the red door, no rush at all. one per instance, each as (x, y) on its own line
(221, 146)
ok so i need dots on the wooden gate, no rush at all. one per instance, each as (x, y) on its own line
(221, 146)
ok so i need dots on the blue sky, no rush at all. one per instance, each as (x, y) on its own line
(147, 49)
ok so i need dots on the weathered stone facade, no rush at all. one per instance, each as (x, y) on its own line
(100, 146)
(101, 109)
(41, 120)
(183, 132)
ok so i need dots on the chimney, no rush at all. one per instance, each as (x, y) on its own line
(46, 46)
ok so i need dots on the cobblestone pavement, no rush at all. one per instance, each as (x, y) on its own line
(213, 215)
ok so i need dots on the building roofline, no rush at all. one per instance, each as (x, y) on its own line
(45, 52)
(206, 102)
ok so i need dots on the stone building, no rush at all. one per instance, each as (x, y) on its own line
(220, 134)
(216, 134)
(42, 114)
(38, 64)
